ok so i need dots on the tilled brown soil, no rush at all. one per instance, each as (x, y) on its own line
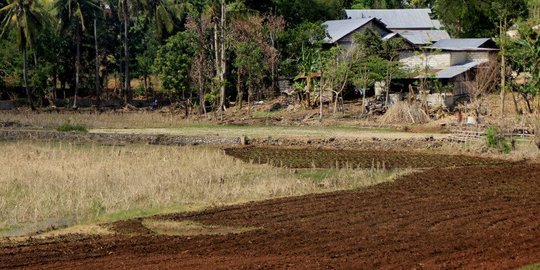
(339, 158)
(473, 218)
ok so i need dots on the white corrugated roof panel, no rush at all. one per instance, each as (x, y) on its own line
(453, 71)
(461, 43)
(423, 37)
(340, 28)
(390, 36)
(436, 24)
(396, 18)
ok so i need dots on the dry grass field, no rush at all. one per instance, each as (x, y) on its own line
(46, 185)
(91, 119)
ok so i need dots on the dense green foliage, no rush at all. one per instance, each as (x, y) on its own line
(173, 63)
(212, 51)
(495, 139)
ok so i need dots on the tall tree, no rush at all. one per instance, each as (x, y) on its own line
(199, 24)
(26, 17)
(477, 18)
(76, 12)
(218, 11)
(162, 12)
(505, 13)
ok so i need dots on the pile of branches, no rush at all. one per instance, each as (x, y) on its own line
(403, 112)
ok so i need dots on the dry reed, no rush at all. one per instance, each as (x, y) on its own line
(49, 184)
(405, 113)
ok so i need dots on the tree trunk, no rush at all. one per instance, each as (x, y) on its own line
(202, 106)
(364, 92)
(503, 65)
(25, 78)
(526, 98)
(77, 64)
(336, 100)
(388, 81)
(320, 102)
(239, 89)
(223, 63)
(127, 81)
(249, 101)
(98, 87)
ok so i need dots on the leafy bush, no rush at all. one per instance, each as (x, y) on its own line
(67, 127)
(495, 139)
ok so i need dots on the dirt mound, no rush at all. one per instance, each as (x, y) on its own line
(472, 218)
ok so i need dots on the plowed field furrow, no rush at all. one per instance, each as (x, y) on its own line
(462, 218)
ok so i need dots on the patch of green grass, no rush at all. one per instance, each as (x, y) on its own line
(68, 127)
(7, 229)
(535, 266)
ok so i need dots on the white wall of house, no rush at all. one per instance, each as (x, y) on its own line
(444, 59)
(416, 60)
(458, 58)
(484, 56)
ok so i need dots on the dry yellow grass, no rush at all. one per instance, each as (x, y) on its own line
(62, 184)
(405, 113)
(52, 120)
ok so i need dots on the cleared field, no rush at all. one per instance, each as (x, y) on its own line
(460, 218)
(293, 132)
(170, 124)
(45, 185)
(326, 158)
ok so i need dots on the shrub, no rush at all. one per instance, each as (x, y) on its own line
(495, 139)
(67, 127)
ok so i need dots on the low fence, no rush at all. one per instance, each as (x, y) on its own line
(475, 135)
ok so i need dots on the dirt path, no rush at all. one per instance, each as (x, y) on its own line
(291, 132)
(472, 218)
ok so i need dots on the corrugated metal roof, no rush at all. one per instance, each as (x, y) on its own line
(389, 36)
(423, 37)
(453, 71)
(436, 24)
(461, 43)
(340, 28)
(396, 18)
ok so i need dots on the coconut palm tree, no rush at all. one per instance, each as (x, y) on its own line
(75, 12)
(161, 12)
(26, 17)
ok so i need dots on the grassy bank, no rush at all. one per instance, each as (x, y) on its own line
(45, 185)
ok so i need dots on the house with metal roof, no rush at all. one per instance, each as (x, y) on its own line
(452, 61)
(451, 52)
(460, 44)
(395, 19)
(341, 32)
(429, 52)
(415, 25)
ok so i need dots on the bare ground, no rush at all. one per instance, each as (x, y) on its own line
(459, 218)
